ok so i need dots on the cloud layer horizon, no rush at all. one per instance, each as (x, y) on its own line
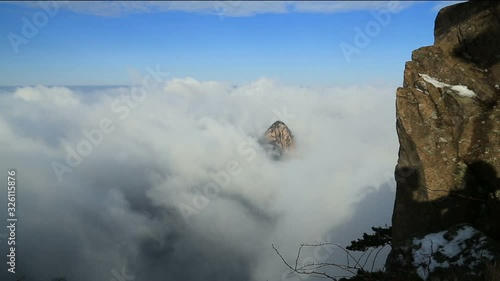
(169, 182)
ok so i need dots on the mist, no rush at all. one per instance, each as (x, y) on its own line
(168, 181)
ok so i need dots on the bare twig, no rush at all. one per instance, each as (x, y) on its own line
(283, 259)
(298, 254)
(335, 244)
(430, 258)
(313, 267)
(375, 258)
(453, 192)
(367, 257)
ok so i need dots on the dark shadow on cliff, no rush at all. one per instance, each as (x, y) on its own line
(475, 203)
(478, 49)
(483, 183)
(475, 48)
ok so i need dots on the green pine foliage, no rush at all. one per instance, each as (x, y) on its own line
(382, 236)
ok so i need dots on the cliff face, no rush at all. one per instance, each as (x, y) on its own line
(448, 124)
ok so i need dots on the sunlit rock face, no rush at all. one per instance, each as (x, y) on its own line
(448, 125)
(278, 140)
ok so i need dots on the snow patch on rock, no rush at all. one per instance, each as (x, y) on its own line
(445, 249)
(461, 90)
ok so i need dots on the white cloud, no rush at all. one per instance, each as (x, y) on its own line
(220, 8)
(346, 6)
(122, 200)
(58, 96)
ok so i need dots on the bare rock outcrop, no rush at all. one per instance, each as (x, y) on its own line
(448, 124)
(278, 139)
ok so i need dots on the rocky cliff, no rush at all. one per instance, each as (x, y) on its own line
(278, 139)
(448, 124)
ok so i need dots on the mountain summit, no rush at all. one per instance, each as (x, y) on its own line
(278, 139)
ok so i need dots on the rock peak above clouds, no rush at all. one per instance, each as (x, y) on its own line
(278, 139)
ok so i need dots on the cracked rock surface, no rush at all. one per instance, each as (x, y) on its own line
(278, 140)
(448, 124)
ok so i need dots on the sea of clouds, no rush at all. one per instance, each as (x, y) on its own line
(167, 181)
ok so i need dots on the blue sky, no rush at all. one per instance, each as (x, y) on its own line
(100, 43)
